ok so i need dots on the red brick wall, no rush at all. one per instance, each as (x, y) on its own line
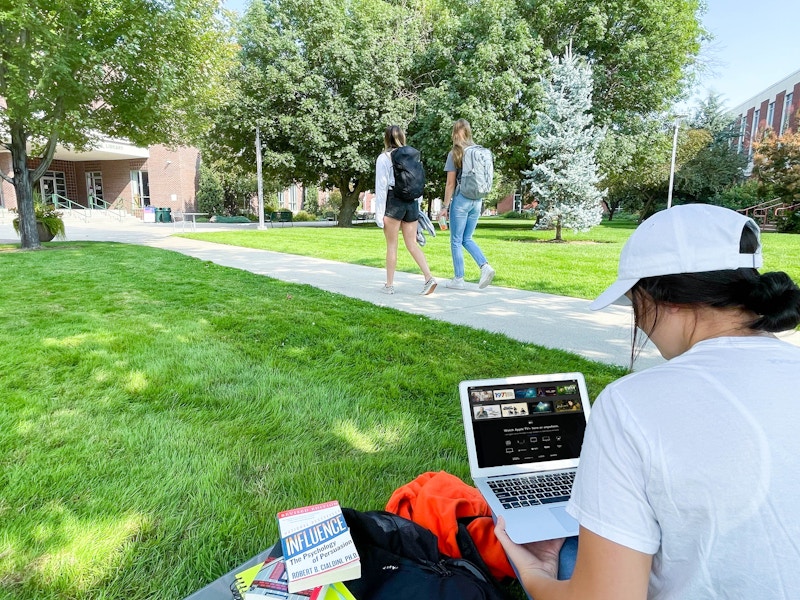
(173, 177)
(793, 109)
(171, 173)
(8, 198)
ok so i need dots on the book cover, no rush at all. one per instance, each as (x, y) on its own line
(317, 546)
(270, 583)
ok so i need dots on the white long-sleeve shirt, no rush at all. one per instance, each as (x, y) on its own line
(384, 179)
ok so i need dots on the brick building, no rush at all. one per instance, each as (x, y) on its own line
(774, 108)
(117, 174)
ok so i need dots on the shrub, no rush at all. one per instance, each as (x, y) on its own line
(303, 216)
(210, 195)
(224, 219)
(739, 196)
(789, 223)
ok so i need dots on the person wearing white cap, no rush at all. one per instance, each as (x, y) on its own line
(688, 482)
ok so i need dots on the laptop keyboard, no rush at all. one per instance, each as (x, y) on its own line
(530, 490)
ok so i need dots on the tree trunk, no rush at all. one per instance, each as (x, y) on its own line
(558, 230)
(350, 199)
(648, 208)
(23, 187)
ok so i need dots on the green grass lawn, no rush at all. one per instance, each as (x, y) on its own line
(156, 411)
(524, 259)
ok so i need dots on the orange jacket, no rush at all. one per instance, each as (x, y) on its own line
(436, 501)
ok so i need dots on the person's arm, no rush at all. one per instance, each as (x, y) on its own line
(604, 570)
(449, 188)
(382, 167)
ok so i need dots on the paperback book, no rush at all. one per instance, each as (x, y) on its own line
(270, 583)
(317, 546)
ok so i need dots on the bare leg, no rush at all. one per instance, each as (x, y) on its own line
(410, 238)
(391, 228)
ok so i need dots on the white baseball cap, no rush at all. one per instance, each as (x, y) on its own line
(690, 238)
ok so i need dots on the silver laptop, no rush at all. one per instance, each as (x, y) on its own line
(524, 437)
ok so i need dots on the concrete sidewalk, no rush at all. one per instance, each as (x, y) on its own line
(542, 319)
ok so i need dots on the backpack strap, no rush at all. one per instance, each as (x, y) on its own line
(469, 550)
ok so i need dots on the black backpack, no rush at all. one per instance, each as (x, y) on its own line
(401, 559)
(409, 174)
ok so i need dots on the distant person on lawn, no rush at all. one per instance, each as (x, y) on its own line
(393, 214)
(687, 486)
(463, 213)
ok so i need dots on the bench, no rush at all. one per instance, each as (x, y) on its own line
(281, 216)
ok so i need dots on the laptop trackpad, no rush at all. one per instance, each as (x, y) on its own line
(560, 513)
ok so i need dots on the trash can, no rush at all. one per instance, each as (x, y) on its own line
(166, 214)
(149, 214)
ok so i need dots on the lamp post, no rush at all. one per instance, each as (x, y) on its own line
(672, 164)
(260, 182)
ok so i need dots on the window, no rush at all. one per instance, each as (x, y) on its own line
(140, 188)
(787, 108)
(742, 128)
(771, 114)
(53, 183)
(754, 129)
(94, 189)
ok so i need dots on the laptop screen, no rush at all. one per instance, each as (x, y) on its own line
(526, 422)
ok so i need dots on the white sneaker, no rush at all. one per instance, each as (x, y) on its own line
(456, 283)
(487, 274)
(388, 289)
(429, 286)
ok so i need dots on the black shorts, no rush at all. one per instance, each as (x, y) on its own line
(400, 209)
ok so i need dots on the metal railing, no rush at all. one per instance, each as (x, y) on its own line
(64, 203)
(118, 213)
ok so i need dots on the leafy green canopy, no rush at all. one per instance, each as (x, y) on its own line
(323, 79)
(776, 165)
(72, 70)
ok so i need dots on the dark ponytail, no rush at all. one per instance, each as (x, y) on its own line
(775, 298)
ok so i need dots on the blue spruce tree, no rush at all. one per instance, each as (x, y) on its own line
(564, 141)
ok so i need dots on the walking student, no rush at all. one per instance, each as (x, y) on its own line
(394, 214)
(463, 211)
(687, 485)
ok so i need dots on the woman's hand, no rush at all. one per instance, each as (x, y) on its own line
(540, 558)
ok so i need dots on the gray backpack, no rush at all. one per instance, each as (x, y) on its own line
(477, 172)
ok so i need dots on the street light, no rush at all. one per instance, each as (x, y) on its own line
(260, 182)
(672, 165)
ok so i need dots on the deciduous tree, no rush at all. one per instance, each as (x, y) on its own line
(71, 70)
(776, 164)
(711, 163)
(642, 51)
(322, 80)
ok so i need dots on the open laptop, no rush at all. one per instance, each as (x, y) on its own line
(524, 437)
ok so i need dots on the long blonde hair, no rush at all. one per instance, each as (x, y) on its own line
(393, 137)
(462, 138)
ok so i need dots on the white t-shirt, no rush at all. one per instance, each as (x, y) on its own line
(697, 461)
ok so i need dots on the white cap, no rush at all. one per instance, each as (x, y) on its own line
(690, 238)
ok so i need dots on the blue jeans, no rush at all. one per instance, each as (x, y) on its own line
(464, 215)
(566, 560)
